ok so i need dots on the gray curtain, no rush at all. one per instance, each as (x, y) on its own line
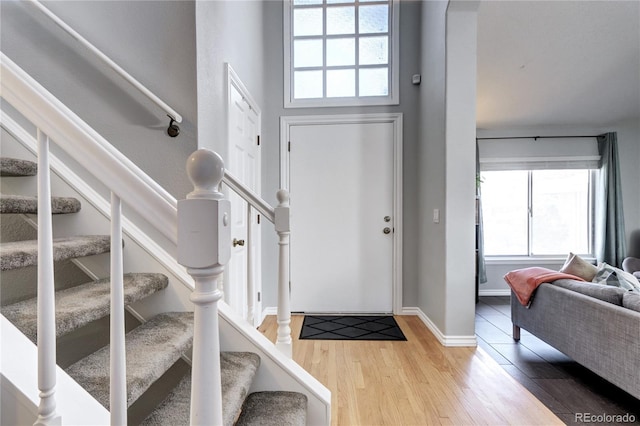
(482, 267)
(609, 219)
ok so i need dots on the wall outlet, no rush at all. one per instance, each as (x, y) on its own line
(436, 215)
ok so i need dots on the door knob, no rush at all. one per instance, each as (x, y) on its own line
(387, 230)
(238, 242)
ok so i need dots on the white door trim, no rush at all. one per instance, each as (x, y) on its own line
(233, 79)
(394, 118)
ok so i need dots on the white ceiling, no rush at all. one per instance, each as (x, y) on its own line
(558, 63)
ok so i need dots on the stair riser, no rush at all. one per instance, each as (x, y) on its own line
(21, 284)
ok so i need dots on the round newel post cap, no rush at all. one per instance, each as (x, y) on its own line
(283, 197)
(205, 169)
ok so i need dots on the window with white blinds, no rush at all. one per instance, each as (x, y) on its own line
(538, 154)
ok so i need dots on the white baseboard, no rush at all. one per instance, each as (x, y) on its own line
(449, 341)
(269, 310)
(495, 292)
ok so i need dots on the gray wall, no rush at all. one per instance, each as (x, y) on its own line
(231, 32)
(431, 166)
(446, 164)
(153, 40)
(629, 154)
(274, 109)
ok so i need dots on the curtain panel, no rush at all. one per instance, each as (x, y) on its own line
(609, 236)
(481, 265)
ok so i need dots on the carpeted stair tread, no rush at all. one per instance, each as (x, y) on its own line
(83, 304)
(16, 167)
(29, 205)
(237, 369)
(274, 409)
(152, 348)
(21, 254)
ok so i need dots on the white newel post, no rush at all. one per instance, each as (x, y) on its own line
(47, 414)
(283, 228)
(204, 247)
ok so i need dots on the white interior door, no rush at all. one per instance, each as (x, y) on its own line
(341, 184)
(242, 283)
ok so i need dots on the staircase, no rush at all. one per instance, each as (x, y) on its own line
(153, 348)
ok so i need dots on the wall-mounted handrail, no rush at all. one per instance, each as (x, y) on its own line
(108, 61)
(88, 148)
(249, 196)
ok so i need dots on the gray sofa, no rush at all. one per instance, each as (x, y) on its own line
(596, 325)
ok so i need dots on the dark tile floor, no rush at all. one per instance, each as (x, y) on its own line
(565, 387)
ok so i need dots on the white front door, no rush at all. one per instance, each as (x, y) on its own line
(341, 179)
(242, 282)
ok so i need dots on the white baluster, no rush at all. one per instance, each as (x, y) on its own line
(283, 228)
(47, 414)
(204, 247)
(117, 356)
(250, 284)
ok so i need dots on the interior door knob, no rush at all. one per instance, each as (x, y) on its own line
(387, 230)
(238, 242)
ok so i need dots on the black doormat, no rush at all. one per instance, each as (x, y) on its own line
(349, 327)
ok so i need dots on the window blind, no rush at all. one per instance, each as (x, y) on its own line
(538, 154)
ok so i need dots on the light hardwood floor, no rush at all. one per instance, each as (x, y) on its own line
(417, 382)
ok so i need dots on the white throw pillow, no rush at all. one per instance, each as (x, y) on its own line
(611, 275)
(575, 265)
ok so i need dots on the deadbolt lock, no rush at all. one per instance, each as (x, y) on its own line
(387, 218)
(387, 230)
(238, 242)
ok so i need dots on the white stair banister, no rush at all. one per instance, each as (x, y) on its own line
(249, 196)
(204, 247)
(117, 352)
(280, 218)
(47, 414)
(283, 228)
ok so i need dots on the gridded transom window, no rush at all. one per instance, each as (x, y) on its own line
(340, 52)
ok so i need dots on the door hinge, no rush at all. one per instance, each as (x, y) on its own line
(259, 295)
(289, 146)
(258, 139)
(258, 218)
